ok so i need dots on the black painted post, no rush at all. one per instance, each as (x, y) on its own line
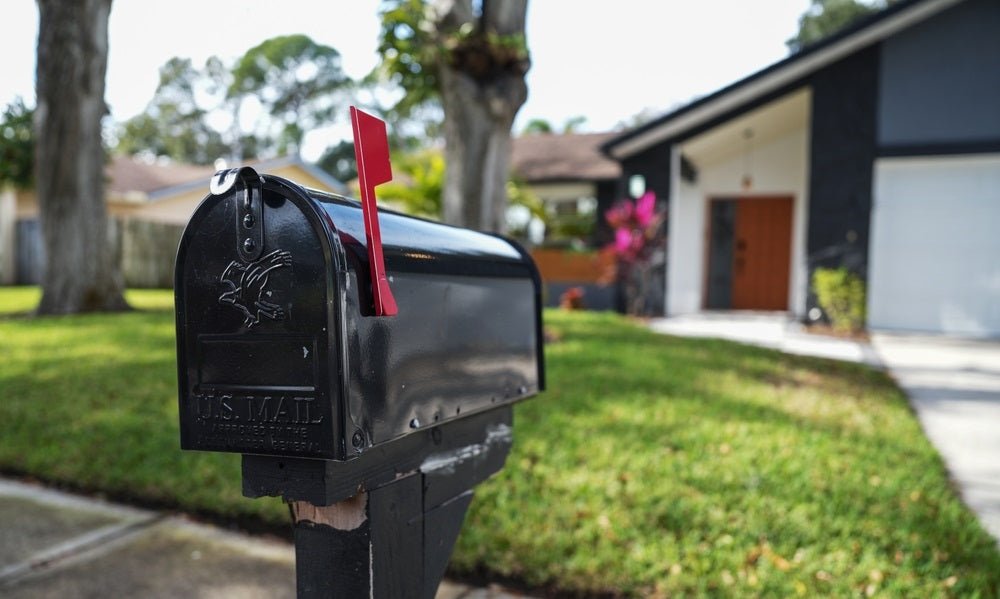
(393, 539)
(332, 548)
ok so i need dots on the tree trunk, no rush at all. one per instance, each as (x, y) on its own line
(482, 88)
(477, 152)
(81, 272)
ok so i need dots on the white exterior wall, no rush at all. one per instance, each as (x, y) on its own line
(8, 245)
(685, 241)
(779, 167)
(934, 254)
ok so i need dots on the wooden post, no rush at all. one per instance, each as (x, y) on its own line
(332, 548)
(379, 544)
(383, 524)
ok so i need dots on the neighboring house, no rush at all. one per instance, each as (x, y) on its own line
(149, 203)
(877, 149)
(573, 179)
(576, 184)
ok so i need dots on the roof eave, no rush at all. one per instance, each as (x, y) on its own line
(569, 179)
(262, 166)
(773, 77)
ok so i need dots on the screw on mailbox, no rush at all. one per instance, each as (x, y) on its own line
(341, 393)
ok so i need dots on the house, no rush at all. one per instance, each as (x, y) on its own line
(877, 149)
(575, 182)
(149, 202)
(169, 192)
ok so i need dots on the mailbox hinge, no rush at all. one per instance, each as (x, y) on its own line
(249, 208)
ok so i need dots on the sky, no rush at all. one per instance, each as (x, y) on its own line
(603, 60)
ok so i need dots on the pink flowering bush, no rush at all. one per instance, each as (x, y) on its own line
(639, 247)
(635, 224)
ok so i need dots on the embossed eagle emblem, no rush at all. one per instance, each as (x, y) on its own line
(248, 287)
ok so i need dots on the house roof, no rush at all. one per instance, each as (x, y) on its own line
(149, 180)
(773, 78)
(550, 157)
(128, 174)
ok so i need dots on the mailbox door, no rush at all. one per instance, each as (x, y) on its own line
(257, 336)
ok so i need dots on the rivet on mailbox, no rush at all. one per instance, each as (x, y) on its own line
(359, 359)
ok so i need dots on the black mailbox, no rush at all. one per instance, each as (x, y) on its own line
(363, 362)
(280, 352)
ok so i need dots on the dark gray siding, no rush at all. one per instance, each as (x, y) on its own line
(607, 195)
(722, 217)
(654, 165)
(940, 79)
(842, 153)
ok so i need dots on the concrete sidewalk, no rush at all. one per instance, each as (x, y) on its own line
(59, 546)
(953, 385)
(774, 330)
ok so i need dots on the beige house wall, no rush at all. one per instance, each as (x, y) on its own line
(148, 229)
(8, 219)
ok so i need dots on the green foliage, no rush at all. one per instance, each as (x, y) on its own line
(418, 186)
(826, 17)
(175, 122)
(652, 466)
(18, 300)
(409, 52)
(339, 161)
(418, 183)
(17, 145)
(530, 206)
(573, 124)
(537, 127)
(841, 295)
(577, 227)
(541, 126)
(413, 45)
(295, 80)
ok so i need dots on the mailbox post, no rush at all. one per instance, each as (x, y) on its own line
(364, 363)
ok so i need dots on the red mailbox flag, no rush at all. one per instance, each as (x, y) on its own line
(371, 150)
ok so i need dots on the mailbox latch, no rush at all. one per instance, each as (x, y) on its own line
(249, 209)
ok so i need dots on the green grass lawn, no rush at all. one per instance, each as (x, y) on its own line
(653, 466)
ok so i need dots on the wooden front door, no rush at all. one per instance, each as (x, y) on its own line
(749, 253)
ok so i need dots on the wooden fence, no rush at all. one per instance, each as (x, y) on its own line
(146, 250)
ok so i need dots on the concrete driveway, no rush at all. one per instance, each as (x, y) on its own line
(55, 545)
(954, 386)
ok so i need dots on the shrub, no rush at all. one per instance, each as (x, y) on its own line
(572, 299)
(841, 295)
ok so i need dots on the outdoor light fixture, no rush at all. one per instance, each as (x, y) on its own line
(636, 186)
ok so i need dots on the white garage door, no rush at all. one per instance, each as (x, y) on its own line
(934, 262)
